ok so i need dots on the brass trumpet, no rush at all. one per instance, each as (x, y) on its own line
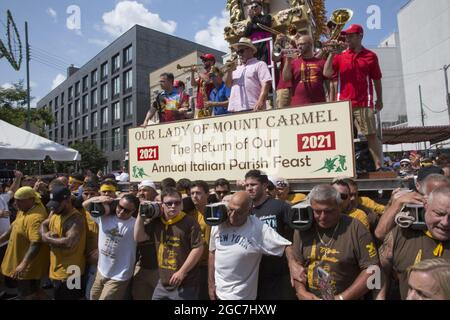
(230, 64)
(189, 66)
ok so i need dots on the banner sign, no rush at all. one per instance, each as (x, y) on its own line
(308, 142)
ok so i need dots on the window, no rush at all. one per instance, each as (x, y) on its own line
(62, 115)
(127, 55)
(69, 111)
(77, 89)
(94, 98)
(70, 93)
(56, 103)
(85, 124)
(115, 165)
(62, 98)
(50, 105)
(77, 107)
(128, 107)
(84, 103)
(94, 119)
(104, 71)
(115, 87)
(50, 135)
(62, 134)
(70, 132)
(104, 93)
(94, 77)
(116, 139)
(115, 63)
(104, 141)
(104, 116)
(85, 83)
(116, 111)
(125, 134)
(56, 135)
(94, 139)
(128, 80)
(56, 118)
(77, 127)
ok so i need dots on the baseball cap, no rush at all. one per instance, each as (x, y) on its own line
(208, 56)
(354, 28)
(58, 195)
(279, 182)
(405, 160)
(147, 183)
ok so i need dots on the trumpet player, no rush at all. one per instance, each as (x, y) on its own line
(283, 88)
(203, 84)
(306, 73)
(218, 99)
(358, 68)
(250, 82)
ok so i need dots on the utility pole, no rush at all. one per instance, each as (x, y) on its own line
(422, 113)
(27, 57)
(446, 89)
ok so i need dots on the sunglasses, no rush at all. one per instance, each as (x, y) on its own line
(127, 211)
(344, 196)
(241, 51)
(172, 203)
(281, 184)
(404, 165)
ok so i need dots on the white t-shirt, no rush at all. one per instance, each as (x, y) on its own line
(116, 247)
(4, 222)
(238, 252)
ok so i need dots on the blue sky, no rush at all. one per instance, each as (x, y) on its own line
(55, 46)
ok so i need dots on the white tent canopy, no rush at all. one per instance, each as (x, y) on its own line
(19, 144)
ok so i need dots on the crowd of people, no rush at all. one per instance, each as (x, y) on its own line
(79, 237)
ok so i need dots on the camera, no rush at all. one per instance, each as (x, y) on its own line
(150, 210)
(98, 209)
(216, 213)
(417, 211)
(301, 216)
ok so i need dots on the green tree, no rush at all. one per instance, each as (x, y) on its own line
(13, 108)
(91, 157)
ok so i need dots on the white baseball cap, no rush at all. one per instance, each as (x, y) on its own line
(147, 183)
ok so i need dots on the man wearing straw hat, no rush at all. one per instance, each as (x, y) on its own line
(250, 82)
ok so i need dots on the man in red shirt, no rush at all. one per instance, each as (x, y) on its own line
(357, 68)
(204, 85)
(306, 74)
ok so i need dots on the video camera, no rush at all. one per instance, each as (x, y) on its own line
(98, 209)
(150, 210)
(216, 213)
(301, 216)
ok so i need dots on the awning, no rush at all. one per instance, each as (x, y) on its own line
(416, 134)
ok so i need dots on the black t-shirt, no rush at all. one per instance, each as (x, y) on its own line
(146, 252)
(275, 214)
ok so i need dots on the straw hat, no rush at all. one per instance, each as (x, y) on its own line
(246, 42)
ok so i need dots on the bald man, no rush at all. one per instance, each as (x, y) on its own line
(235, 251)
(306, 74)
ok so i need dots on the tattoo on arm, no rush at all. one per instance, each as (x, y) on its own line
(32, 252)
(386, 251)
(74, 226)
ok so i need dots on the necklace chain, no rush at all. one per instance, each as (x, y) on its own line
(332, 236)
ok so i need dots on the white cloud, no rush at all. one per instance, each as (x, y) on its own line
(52, 13)
(7, 86)
(33, 84)
(98, 42)
(58, 80)
(213, 35)
(128, 13)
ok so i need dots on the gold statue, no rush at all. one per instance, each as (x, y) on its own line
(236, 14)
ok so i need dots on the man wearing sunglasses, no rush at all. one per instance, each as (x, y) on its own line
(179, 244)
(116, 246)
(250, 82)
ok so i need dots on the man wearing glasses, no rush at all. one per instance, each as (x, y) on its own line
(179, 244)
(250, 82)
(116, 247)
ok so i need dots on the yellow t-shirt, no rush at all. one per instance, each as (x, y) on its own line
(361, 216)
(295, 198)
(62, 258)
(92, 233)
(24, 231)
(372, 205)
(206, 232)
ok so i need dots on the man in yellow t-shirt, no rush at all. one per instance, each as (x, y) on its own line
(199, 195)
(26, 258)
(65, 231)
(283, 191)
(344, 192)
